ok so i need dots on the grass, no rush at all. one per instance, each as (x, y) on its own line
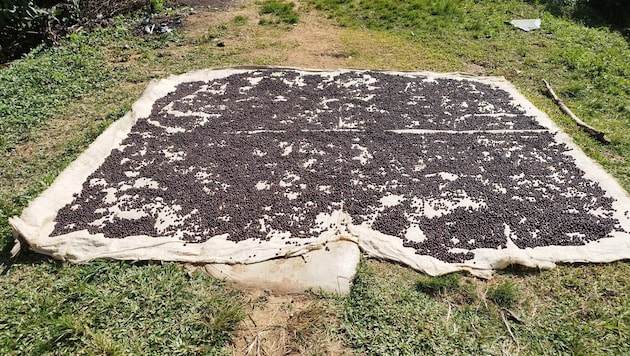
(312, 329)
(386, 314)
(115, 309)
(505, 294)
(576, 309)
(439, 284)
(54, 103)
(124, 308)
(572, 310)
(34, 88)
(280, 11)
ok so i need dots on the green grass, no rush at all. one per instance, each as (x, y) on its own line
(240, 20)
(53, 104)
(572, 310)
(35, 88)
(439, 284)
(113, 308)
(41, 87)
(386, 315)
(120, 308)
(280, 11)
(505, 294)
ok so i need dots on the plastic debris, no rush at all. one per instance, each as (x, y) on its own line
(164, 29)
(149, 29)
(526, 24)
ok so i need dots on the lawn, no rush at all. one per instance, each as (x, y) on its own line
(55, 101)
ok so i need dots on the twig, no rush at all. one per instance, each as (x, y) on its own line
(448, 315)
(584, 126)
(512, 316)
(518, 346)
(252, 320)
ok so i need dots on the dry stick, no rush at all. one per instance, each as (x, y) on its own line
(518, 346)
(589, 129)
(510, 314)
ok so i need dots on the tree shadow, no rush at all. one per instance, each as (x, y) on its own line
(613, 14)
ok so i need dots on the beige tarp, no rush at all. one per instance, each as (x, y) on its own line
(37, 222)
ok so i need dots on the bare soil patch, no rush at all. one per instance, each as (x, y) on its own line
(318, 44)
(208, 4)
(314, 42)
(295, 324)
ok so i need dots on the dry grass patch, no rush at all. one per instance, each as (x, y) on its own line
(295, 324)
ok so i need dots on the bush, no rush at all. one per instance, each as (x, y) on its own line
(22, 25)
(25, 24)
(614, 12)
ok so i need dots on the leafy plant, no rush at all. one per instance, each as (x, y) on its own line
(615, 13)
(22, 25)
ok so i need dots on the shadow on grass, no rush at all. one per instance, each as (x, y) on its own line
(614, 14)
(25, 256)
(29, 257)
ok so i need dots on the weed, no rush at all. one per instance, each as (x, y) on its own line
(156, 5)
(505, 294)
(439, 284)
(239, 20)
(215, 32)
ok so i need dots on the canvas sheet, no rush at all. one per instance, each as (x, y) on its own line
(441, 172)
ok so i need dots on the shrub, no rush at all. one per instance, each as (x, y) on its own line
(614, 12)
(25, 24)
(22, 25)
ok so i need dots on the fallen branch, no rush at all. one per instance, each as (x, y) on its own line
(600, 136)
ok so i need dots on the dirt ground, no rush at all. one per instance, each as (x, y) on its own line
(206, 4)
(296, 324)
(314, 42)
